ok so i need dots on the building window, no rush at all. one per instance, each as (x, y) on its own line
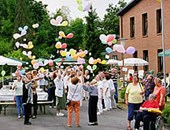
(132, 27)
(135, 55)
(145, 24)
(146, 58)
(159, 21)
(160, 61)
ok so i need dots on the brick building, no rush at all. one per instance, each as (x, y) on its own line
(140, 24)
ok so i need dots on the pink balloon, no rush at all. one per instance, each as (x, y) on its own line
(110, 38)
(70, 35)
(103, 38)
(53, 22)
(64, 45)
(36, 66)
(120, 49)
(59, 19)
(81, 60)
(50, 62)
(115, 47)
(130, 50)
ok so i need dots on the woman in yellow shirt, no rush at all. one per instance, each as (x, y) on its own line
(133, 98)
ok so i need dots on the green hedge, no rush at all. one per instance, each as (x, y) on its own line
(166, 113)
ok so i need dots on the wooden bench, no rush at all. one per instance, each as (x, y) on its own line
(43, 103)
(5, 104)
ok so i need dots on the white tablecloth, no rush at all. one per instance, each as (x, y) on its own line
(8, 95)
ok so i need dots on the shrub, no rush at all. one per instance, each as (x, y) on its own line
(122, 93)
(166, 114)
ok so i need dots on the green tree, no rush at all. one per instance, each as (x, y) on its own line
(77, 28)
(7, 14)
(111, 20)
(91, 37)
(22, 14)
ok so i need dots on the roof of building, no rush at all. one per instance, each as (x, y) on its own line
(128, 7)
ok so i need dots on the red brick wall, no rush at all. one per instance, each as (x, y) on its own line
(153, 41)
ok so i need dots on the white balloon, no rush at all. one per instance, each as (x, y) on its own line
(29, 53)
(45, 62)
(24, 52)
(17, 44)
(20, 28)
(35, 25)
(91, 60)
(107, 56)
(16, 36)
(24, 32)
(25, 28)
(25, 46)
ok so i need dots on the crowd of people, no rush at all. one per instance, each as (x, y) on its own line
(68, 87)
(142, 95)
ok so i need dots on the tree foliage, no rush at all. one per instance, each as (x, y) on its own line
(19, 13)
(91, 37)
(111, 20)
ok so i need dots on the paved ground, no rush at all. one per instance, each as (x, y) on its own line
(110, 120)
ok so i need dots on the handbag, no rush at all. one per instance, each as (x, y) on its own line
(68, 102)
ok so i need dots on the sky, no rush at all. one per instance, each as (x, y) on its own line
(100, 6)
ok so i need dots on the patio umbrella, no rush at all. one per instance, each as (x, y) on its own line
(8, 61)
(23, 62)
(113, 62)
(167, 53)
(133, 62)
(65, 60)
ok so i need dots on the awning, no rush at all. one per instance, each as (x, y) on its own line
(167, 53)
(8, 61)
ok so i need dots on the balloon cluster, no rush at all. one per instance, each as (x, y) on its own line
(95, 61)
(83, 6)
(58, 45)
(62, 35)
(91, 68)
(109, 39)
(58, 21)
(36, 63)
(26, 46)
(23, 32)
(120, 48)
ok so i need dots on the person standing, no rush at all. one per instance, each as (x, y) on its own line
(27, 97)
(74, 96)
(92, 106)
(35, 96)
(133, 98)
(86, 80)
(160, 93)
(51, 90)
(18, 87)
(114, 77)
(100, 94)
(59, 84)
(149, 86)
